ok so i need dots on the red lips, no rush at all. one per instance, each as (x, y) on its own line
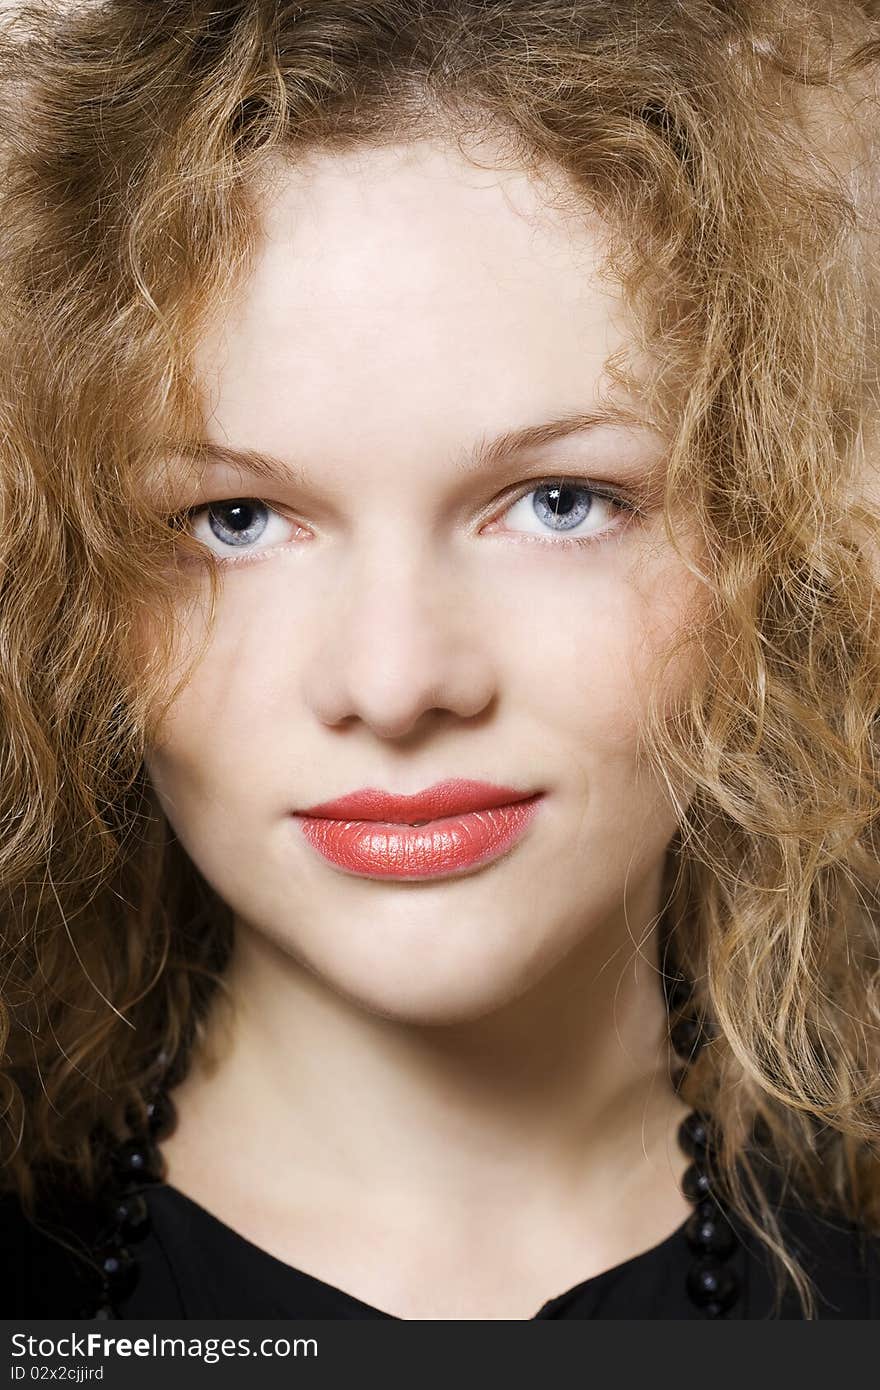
(447, 798)
(448, 828)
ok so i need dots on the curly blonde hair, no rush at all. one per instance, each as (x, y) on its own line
(728, 144)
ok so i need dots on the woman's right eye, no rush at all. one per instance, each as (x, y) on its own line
(237, 524)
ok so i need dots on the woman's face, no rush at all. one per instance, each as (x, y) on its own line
(400, 609)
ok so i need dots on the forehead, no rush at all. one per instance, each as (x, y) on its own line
(413, 290)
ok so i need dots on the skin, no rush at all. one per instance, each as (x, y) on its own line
(484, 1055)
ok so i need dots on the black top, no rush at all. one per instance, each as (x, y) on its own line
(192, 1265)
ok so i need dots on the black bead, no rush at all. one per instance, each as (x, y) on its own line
(694, 1134)
(139, 1160)
(695, 1183)
(130, 1215)
(709, 1282)
(687, 1037)
(119, 1268)
(708, 1207)
(161, 1116)
(104, 1311)
(710, 1235)
(174, 1069)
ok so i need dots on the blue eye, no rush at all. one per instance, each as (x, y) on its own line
(236, 523)
(563, 507)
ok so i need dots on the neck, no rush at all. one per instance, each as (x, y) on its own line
(569, 1080)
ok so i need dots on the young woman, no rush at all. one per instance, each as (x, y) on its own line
(440, 660)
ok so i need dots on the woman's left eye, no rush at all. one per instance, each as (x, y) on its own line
(569, 509)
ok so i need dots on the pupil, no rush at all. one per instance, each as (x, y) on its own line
(566, 506)
(235, 510)
(562, 499)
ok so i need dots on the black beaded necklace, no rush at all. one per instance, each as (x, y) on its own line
(712, 1284)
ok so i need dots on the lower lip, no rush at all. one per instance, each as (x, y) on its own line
(382, 849)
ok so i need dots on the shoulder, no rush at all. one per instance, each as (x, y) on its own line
(841, 1259)
(43, 1272)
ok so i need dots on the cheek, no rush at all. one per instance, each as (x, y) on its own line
(205, 744)
(211, 770)
(594, 660)
(225, 760)
(594, 677)
(221, 706)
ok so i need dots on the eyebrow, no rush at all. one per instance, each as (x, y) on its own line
(485, 455)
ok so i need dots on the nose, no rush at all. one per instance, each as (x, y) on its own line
(401, 637)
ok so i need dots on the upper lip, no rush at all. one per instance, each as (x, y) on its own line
(447, 798)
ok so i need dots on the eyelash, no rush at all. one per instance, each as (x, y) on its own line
(625, 508)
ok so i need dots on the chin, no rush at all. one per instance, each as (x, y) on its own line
(425, 997)
(429, 1009)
